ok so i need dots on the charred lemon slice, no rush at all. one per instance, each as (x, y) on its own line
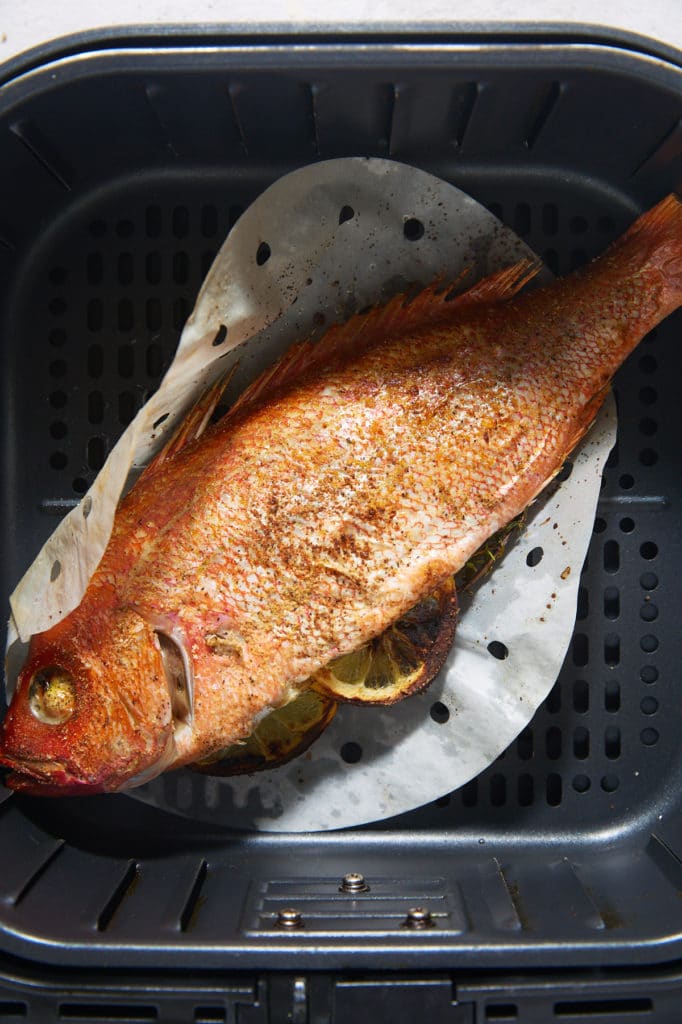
(279, 737)
(401, 661)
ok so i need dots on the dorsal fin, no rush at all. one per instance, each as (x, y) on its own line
(431, 306)
(193, 425)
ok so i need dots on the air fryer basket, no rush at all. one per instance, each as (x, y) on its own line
(121, 173)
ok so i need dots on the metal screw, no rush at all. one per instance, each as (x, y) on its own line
(418, 917)
(288, 917)
(353, 882)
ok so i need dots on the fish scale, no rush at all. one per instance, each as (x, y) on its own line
(342, 488)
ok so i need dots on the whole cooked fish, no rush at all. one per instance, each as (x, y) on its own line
(342, 487)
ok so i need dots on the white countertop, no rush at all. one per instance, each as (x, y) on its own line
(35, 22)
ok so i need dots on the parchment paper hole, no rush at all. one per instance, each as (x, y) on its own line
(648, 674)
(610, 783)
(439, 712)
(80, 485)
(55, 571)
(626, 481)
(160, 420)
(346, 213)
(648, 395)
(220, 337)
(87, 507)
(627, 524)
(648, 457)
(599, 525)
(649, 737)
(57, 306)
(262, 253)
(59, 460)
(534, 557)
(648, 550)
(351, 752)
(649, 643)
(413, 229)
(498, 650)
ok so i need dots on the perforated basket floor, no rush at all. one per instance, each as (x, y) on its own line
(120, 175)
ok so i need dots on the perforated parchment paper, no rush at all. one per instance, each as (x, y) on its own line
(318, 245)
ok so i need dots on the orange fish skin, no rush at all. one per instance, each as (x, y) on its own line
(323, 508)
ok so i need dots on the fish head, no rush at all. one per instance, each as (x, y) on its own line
(92, 709)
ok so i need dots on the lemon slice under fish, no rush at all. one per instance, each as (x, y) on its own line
(279, 737)
(402, 660)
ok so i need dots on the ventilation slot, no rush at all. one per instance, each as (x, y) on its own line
(192, 902)
(544, 109)
(44, 152)
(124, 887)
(599, 1007)
(463, 102)
(233, 97)
(110, 1012)
(38, 871)
(501, 1011)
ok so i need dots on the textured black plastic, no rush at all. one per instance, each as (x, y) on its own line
(120, 175)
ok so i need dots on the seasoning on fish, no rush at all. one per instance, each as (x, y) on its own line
(344, 486)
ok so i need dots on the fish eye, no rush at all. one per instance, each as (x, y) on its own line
(52, 695)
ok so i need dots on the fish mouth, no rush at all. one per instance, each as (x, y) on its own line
(43, 778)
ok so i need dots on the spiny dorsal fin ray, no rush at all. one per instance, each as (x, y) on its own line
(432, 305)
(194, 423)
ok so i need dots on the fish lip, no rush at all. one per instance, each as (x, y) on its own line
(33, 778)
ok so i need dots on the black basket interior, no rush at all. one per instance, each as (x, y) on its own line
(121, 173)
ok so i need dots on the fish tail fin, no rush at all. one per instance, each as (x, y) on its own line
(654, 243)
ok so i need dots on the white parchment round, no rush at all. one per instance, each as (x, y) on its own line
(336, 238)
